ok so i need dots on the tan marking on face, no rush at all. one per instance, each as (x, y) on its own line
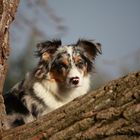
(65, 61)
(57, 76)
(45, 56)
(77, 58)
(84, 69)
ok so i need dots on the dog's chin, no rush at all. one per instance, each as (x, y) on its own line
(73, 86)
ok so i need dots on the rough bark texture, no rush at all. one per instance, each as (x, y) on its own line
(110, 113)
(7, 11)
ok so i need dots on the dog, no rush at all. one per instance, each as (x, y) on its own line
(63, 73)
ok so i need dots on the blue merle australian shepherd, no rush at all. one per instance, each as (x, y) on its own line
(62, 74)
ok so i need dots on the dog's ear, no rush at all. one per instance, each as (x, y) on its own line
(46, 49)
(92, 48)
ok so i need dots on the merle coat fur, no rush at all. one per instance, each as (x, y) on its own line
(50, 85)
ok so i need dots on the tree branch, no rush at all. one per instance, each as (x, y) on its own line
(111, 113)
(7, 12)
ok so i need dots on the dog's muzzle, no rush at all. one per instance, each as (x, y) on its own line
(74, 80)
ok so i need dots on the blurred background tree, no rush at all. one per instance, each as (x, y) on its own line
(115, 24)
(32, 19)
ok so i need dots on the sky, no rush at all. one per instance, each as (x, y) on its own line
(113, 23)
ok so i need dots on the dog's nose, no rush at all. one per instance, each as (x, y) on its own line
(74, 80)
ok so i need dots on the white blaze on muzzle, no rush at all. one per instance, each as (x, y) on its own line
(75, 78)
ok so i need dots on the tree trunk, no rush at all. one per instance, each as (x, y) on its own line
(110, 113)
(7, 12)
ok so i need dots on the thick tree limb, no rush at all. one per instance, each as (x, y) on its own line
(7, 12)
(111, 113)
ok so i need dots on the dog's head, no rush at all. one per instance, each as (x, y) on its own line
(67, 65)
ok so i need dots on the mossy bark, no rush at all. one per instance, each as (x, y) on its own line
(111, 113)
(7, 12)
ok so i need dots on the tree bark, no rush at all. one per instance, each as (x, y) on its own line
(110, 113)
(7, 12)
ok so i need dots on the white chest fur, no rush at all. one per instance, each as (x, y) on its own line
(49, 91)
(46, 96)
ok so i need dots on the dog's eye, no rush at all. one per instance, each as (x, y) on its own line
(62, 65)
(80, 64)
